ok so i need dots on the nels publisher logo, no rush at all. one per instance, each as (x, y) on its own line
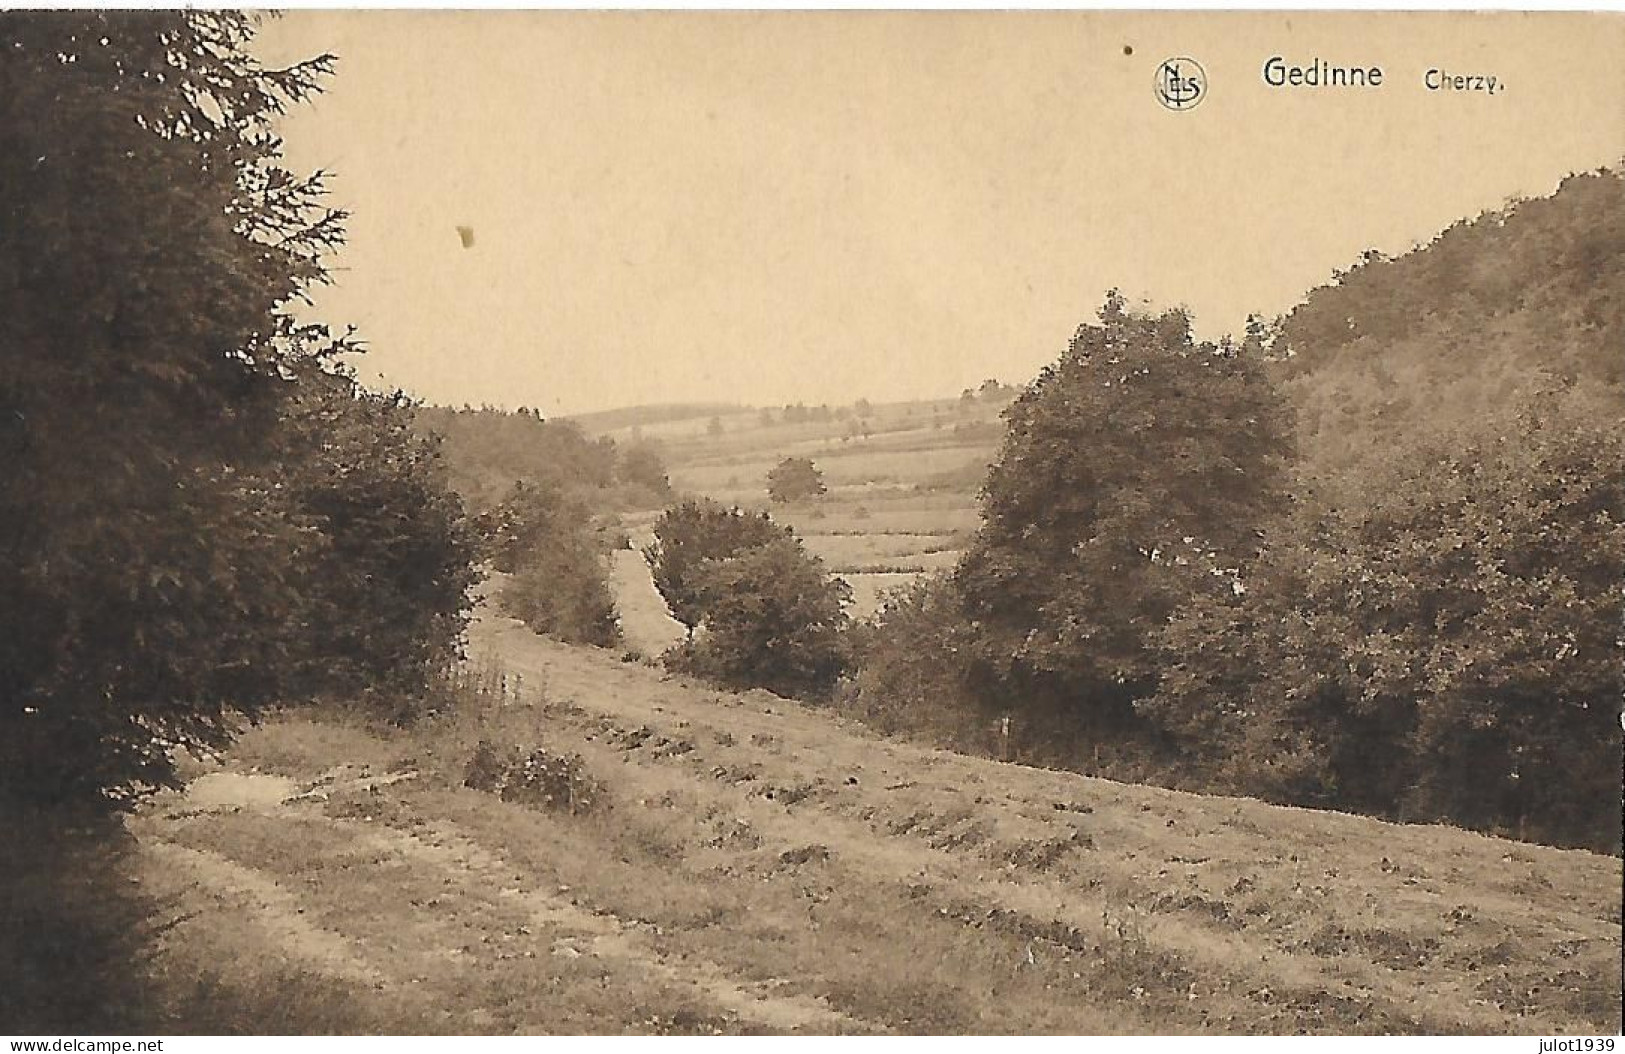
(1181, 83)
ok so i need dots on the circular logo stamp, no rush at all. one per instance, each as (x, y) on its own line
(1181, 83)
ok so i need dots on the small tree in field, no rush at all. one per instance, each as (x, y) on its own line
(795, 479)
(759, 609)
(641, 465)
(688, 535)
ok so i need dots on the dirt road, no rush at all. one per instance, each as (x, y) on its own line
(764, 867)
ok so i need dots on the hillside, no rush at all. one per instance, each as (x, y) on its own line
(1525, 299)
(628, 417)
(763, 867)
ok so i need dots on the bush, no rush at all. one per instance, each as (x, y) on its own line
(563, 592)
(555, 556)
(912, 671)
(535, 777)
(795, 479)
(389, 556)
(772, 618)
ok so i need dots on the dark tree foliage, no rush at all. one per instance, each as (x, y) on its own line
(1557, 257)
(202, 514)
(795, 479)
(773, 619)
(545, 539)
(688, 535)
(1135, 473)
(386, 551)
(1490, 312)
(1427, 628)
(150, 247)
(1433, 629)
(912, 668)
(1444, 647)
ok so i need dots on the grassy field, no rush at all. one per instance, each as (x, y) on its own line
(901, 501)
(759, 866)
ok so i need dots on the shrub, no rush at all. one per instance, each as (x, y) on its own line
(563, 591)
(535, 777)
(912, 671)
(388, 559)
(772, 618)
(795, 479)
(559, 584)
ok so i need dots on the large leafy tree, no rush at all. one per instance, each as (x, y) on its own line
(1135, 472)
(152, 247)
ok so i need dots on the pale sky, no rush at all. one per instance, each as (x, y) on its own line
(770, 208)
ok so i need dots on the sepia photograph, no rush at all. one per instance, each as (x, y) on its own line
(811, 523)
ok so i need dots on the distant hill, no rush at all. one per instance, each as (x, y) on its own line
(657, 413)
